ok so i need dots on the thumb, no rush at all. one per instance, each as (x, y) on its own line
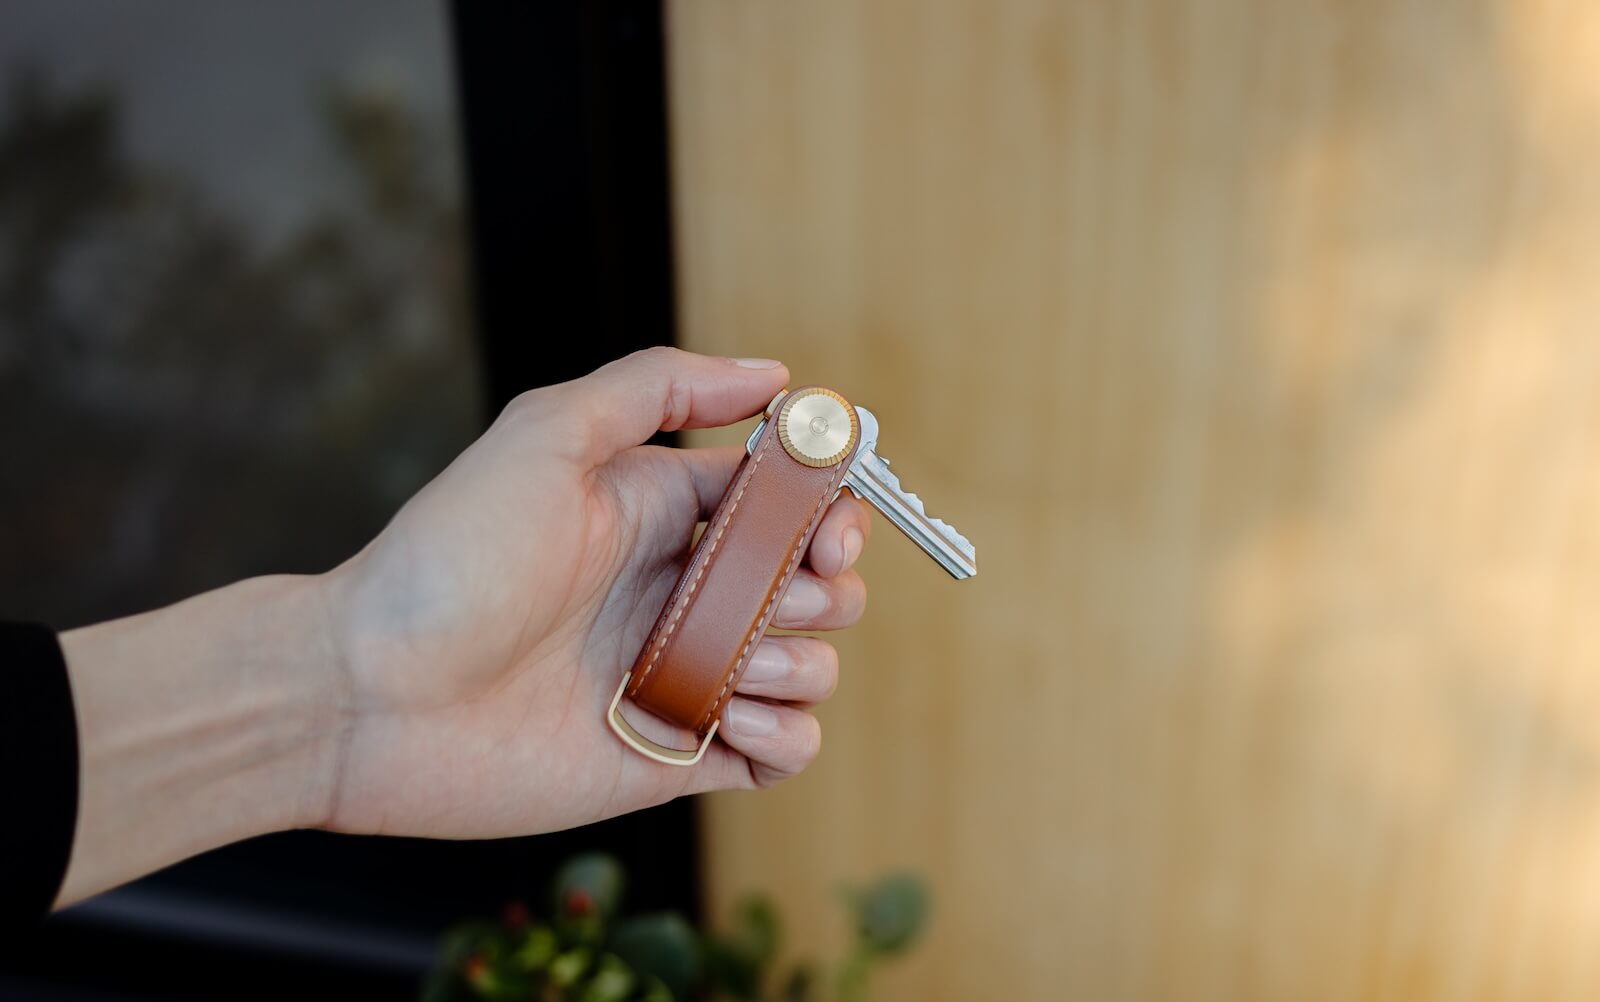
(621, 404)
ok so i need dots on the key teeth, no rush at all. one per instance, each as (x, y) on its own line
(951, 534)
(894, 481)
(909, 497)
(915, 503)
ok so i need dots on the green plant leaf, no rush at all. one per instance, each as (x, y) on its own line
(500, 982)
(464, 941)
(612, 981)
(731, 970)
(736, 963)
(590, 884)
(891, 913)
(756, 927)
(538, 949)
(568, 967)
(663, 946)
(656, 991)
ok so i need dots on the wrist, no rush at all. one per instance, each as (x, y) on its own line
(202, 723)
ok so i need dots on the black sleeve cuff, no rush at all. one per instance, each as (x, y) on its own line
(38, 771)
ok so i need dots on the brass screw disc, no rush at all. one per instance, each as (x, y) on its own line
(817, 426)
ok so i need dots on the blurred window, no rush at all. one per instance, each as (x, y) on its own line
(234, 338)
(234, 328)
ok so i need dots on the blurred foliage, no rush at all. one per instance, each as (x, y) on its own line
(588, 952)
(184, 402)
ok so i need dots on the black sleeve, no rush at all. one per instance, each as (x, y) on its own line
(38, 771)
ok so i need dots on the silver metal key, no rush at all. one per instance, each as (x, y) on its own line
(870, 479)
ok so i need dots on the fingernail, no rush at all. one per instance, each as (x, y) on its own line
(805, 600)
(769, 663)
(853, 542)
(752, 719)
(757, 363)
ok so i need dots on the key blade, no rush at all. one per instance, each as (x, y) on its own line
(870, 479)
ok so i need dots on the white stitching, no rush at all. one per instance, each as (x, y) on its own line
(755, 628)
(711, 550)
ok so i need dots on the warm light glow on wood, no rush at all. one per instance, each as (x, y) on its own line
(1263, 345)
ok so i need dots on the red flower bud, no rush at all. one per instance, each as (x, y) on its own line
(477, 967)
(579, 903)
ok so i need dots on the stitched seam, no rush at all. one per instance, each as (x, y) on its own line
(711, 552)
(755, 628)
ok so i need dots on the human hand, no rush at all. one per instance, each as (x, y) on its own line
(481, 635)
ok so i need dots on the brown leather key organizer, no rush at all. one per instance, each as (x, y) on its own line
(811, 444)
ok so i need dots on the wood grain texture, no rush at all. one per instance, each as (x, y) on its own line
(1256, 348)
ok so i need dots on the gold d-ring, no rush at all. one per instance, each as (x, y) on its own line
(643, 745)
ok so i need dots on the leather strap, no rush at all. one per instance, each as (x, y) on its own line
(722, 604)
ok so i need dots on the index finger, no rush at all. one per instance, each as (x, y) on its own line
(623, 403)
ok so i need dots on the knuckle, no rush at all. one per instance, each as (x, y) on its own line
(680, 404)
(664, 365)
(552, 415)
(527, 406)
(659, 353)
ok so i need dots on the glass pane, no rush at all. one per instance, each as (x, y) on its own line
(233, 300)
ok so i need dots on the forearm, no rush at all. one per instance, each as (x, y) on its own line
(200, 724)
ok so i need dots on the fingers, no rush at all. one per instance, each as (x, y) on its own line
(797, 669)
(761, 741)
(817, 603)
(623, 403)
(828, 596)
(841, 537)
(778, 741)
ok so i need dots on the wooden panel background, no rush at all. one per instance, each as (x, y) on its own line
(1256, 347)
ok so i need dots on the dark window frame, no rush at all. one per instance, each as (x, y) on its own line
(563, 111)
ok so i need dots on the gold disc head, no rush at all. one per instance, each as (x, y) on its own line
(817, 426)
